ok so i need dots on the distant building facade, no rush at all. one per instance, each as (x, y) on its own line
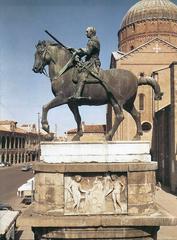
(91, 133)
(18, 144)
(148, 43)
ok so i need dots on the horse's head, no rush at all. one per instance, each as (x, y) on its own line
(42, 57)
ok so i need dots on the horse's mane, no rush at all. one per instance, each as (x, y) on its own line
(48, 43)
(45, 43)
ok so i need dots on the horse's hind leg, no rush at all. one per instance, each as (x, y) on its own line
(75, 110)
(118, 119)
(136, 116)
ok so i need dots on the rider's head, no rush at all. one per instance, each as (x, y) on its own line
(90, 32)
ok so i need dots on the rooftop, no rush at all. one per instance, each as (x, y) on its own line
(149, 10)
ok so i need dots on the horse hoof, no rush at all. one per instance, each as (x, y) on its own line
(76, 138)
(49, 137)
(45, 127)
(108, 138)
(137, 137)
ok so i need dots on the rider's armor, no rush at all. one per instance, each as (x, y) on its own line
(91, 66)
(92, 52)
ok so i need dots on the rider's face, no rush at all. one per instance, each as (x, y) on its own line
(88, 32)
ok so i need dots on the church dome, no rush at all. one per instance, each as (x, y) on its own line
(150, 10)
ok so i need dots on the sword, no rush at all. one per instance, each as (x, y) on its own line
(56, 40)
(70, 49)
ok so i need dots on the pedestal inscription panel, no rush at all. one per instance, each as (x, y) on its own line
(96, 194)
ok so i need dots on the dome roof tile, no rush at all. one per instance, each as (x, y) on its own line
(149, 10)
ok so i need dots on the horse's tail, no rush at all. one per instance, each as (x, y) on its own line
(143, 80)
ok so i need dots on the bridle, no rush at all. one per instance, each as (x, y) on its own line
(42, 52)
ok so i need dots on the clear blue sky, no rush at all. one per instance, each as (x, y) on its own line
(22, 24)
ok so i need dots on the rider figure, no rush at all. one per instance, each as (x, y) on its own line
(92, 62)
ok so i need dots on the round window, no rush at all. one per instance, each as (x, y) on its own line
(146, 126)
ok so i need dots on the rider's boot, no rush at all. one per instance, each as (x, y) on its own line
(77, 95)
(79, 89)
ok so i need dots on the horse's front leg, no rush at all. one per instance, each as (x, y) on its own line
(57, 101)
(75, 110)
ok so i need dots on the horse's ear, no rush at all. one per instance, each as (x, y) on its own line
(44, 43)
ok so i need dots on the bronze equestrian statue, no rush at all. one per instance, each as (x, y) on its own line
(92, 61)
(117, 87)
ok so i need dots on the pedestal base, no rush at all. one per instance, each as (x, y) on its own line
(96, 227)
(118, 233)
(104, 193)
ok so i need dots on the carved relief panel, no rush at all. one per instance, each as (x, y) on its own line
(95, 194)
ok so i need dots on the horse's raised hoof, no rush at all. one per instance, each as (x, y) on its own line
(108, 137)
(45, 127)
(76, 138)
(49, 137)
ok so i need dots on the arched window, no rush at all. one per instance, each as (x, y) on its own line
(16, 158)
(12, 156)
(23, 158)
(19, 158)
(16, 142)
(141, 101)
(3, 142)
(3, 158)
(23, 143)
(20, 142)
(12, 142)
(7, 160)
(8, 142)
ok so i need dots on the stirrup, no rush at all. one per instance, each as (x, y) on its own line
(74, 98)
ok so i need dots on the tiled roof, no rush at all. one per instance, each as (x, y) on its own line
(90, 129)
(11, 127)
(6, 122)
(16, 130)
(3, 128)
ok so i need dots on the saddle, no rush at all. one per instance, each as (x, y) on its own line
(86, 71)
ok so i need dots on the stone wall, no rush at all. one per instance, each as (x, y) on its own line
(141, 189)
(173, 127)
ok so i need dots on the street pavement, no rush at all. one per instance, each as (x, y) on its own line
(10, 179)
(169, 202)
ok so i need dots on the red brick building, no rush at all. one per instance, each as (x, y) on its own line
(147, 42)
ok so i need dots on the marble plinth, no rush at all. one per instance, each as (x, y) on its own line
(132, 151)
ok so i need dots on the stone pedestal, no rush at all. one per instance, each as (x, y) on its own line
(106, 191)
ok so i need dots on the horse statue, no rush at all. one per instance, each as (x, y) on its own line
(123, 85)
